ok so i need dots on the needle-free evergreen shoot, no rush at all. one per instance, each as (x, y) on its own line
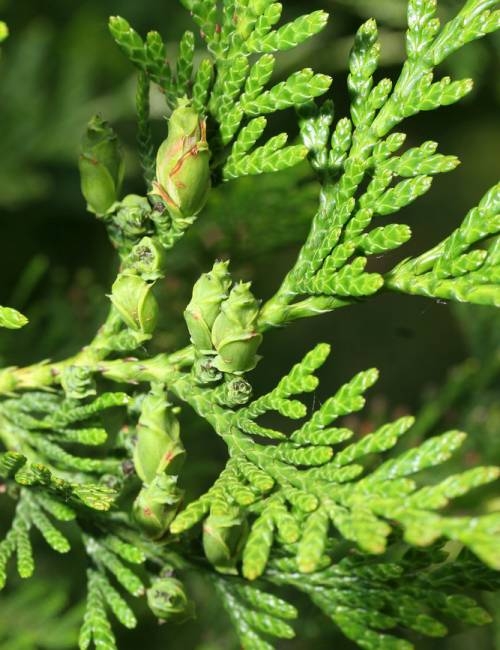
(341, 518)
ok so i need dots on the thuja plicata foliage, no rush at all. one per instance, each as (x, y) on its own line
(344, 519)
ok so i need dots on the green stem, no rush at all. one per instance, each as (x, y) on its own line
(45, 375)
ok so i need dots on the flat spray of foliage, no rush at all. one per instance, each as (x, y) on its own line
(319, 509)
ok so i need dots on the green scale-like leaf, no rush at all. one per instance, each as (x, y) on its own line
(313, 506)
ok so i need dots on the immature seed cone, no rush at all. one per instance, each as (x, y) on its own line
(132, 216)
(235, 392)
(204, 372)
(133, 299)
(234, 332)
(158, 448)
(208, 294)
(223, 536)
(156, 505)
(182, 163)
(101, 166)
(147, 259)
(167, 599)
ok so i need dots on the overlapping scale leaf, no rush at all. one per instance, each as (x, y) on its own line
(381, 440)
(373, 602)
(127, 578)
(363, 62)
(96, 628)
(30, 514)
(357, 148)
(457, 268)
(185, 63)
(289, 35)
(421, 160)
(473, 21)
(201, 86)
(271, 157)
(191, 515)
(423, 26)
(24, 550)
(68, 413)
(115, 601)
(313, 541)
(52, 535)
(430, 453)
(299, 88)
(239, 483)
(258, 546)
(14, 466)
(257, 615)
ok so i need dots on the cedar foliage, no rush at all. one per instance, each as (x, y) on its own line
(308, 505)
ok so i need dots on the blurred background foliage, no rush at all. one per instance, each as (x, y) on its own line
(58, 68)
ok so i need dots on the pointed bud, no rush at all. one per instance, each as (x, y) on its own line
(234, 332)
(157, 504)
(158, 448)
(133, 299)
(147, 259)
(101, 166)
(208, 294)
(223, 537)
(167, 599)
(182, 163)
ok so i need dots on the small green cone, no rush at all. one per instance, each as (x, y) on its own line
(234, 392)
(167, 599)
(182, 164)
(156, 505)
(234, 332)
(133, 299)
(208, 294)
(101, 166)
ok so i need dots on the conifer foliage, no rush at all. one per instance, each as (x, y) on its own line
(307, 504)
